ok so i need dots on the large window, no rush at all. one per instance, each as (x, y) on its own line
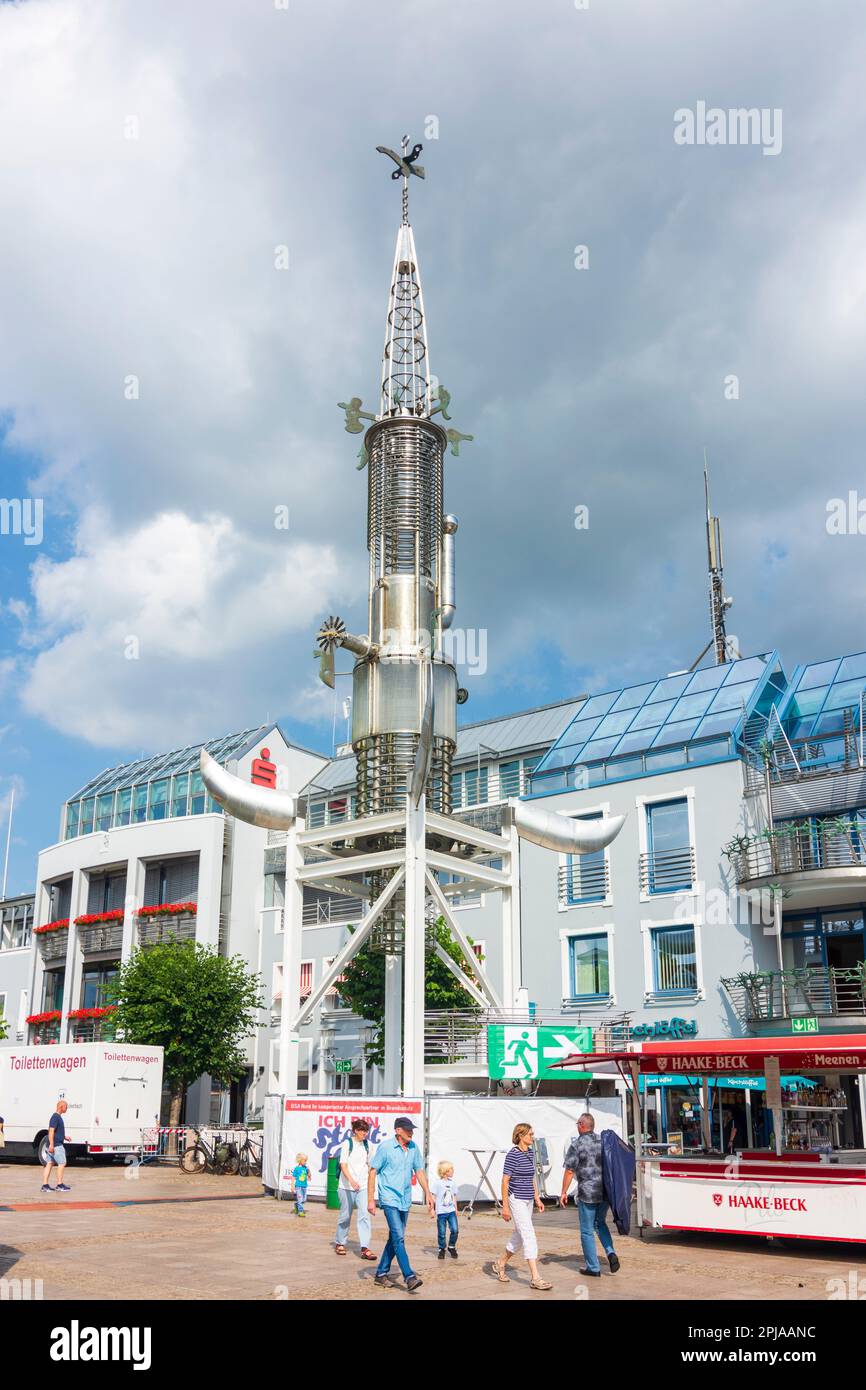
(106, 892)
(172, 881)
(669, 856)
(584, 879)
(52, 989)
(589, 965)
(96, 982)
(674, 959)
(16, 925)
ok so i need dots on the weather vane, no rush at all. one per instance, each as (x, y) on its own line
(405, 166)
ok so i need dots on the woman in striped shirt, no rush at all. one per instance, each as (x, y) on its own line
(519, 1196)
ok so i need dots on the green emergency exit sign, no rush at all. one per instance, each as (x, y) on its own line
(804, 1025)
(520, 1052)
(343, 1064)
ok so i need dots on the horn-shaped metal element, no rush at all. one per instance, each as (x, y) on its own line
(564, 833)
(425, 743)
(262, 806)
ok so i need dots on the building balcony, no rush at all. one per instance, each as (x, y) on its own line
(99, 939)
(833, 849)
(160, 927)
(667, 870)
(99, 1026)
(45, 1028)
(584, 882)
(53, 943)
(828, 993)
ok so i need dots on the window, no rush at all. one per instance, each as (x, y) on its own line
(476, 786)
(16, 925)
(669, 856)
(139, 804)
(179, 794)
(72, 819)
(52, 990)
(456, 790)
(584, 878)
(173, 881)
(509, 779)
(123, 806)
(158, 799)
(2, 1005)
(106, 892)
(589, 972)
(96, 981)
(674, 957)
(306, 979)
(60, 900)
(197, 797)
(332, 998)
(104, 809)
(86, 816)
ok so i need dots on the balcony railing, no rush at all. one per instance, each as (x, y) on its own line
(583, 882)
(153, 931)
(53, 944)
(459, 1037)
(667, 870)
(88, 1030)
(105, 938)
(335, 909)
(766, 996)
(802, 848)
(801, 759)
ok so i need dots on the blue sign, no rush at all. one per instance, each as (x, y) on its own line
(665, 1028)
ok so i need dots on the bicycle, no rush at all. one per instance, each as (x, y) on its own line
(219, 1157)
(250, 1158)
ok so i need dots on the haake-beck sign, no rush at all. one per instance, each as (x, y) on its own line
(519, 1052)
(804, 1025)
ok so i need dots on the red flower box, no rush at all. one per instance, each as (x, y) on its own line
(93, 919)
(53, 1016)
(167, 909)
(92, 1013)
(52, 926)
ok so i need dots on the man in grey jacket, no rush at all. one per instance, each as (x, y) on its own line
(582, 1164)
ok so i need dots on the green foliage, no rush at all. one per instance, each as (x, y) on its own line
(363, 988)
(197, 1005)
(4, 1028)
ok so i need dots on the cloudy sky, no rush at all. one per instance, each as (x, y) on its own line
(164, 386)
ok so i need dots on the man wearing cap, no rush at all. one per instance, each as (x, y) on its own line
(394, 1163)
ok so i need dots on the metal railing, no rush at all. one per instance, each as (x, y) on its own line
(811, 992)
(583, 882)
(53, 944)
(88, 1030)
(104, 938)
(667, 870)
(803, 848)
(334, 909)
(459, 1037)
(152, 931)
(800, 759)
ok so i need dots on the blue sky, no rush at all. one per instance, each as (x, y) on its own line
(161, 153)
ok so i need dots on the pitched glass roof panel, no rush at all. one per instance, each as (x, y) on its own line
(614, 724)
(652, 715)
(670, 687)
(709, 679)
(852, 666)
(680, 732)
(844, 693)
(732, 696)
(598, 704)
(634, 696)
(819, 673)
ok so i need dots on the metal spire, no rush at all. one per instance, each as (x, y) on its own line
(405, 358)
(719, 602)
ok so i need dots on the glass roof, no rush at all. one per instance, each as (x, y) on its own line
(820, 695)
(657, 714)
(164, 764)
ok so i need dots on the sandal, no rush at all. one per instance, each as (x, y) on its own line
(539, 1284)
(499, 1271)
(340, 1249)
(367, 1254)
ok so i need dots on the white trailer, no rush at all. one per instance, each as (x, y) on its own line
(113, 1093)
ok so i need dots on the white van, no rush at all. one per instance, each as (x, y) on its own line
(112, 1090)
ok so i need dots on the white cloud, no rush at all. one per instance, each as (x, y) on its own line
(147, 631)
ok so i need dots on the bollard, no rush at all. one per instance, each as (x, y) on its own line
(332, 1199)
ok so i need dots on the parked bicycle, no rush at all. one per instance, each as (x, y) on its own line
(250, 1157)
(220, 1156)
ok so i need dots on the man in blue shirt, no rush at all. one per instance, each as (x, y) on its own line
(56, 1150)
(394, 1163)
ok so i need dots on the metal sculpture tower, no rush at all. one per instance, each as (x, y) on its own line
(402, 838)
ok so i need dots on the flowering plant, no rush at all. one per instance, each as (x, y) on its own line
(92, 919)
(53, 1016)
(52, 926)
(92, 1013)
(167, 909)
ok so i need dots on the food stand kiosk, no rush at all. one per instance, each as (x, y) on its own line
(814, 1193)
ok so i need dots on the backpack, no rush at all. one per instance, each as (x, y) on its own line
(352, 1144)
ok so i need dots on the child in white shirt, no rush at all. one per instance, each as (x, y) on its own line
(445, 1194)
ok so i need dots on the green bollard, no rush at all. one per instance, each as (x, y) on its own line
(332, 1199)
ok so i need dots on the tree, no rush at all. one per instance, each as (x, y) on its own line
(197, 1005)
(363, 988)
(4, 1027)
